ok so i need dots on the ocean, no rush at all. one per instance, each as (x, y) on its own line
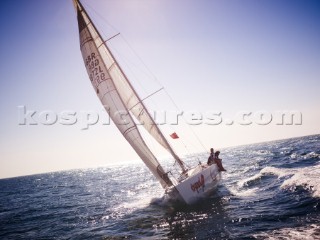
(270, 191)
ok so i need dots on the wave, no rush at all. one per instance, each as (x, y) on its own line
(297, 233)
(307, 177)
(265, 171)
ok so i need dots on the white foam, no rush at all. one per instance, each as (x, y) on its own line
(245, 182)
(243, 193)
(304, 156)
(294, 156)
(280, 172)
(311, 155)
(309, 232)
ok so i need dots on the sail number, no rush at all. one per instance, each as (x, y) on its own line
(96, 73)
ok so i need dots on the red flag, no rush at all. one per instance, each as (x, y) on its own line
(174, 135)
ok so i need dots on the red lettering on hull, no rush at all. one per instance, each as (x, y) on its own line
(198, 184)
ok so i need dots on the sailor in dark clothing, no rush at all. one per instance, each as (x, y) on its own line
(211, 157)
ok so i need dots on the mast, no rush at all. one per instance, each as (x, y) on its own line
(152, 128)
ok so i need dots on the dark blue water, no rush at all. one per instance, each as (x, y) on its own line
(271, 191)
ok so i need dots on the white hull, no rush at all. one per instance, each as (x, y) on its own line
(200, 182)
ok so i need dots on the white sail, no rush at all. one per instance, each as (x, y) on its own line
(116, 94)
(129, 97)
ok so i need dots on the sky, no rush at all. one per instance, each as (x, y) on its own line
(211, 56)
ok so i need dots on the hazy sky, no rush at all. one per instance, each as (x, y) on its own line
(210, 55)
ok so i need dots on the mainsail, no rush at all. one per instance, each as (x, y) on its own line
(118, 96)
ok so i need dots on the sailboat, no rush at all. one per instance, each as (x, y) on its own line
(126, 108)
